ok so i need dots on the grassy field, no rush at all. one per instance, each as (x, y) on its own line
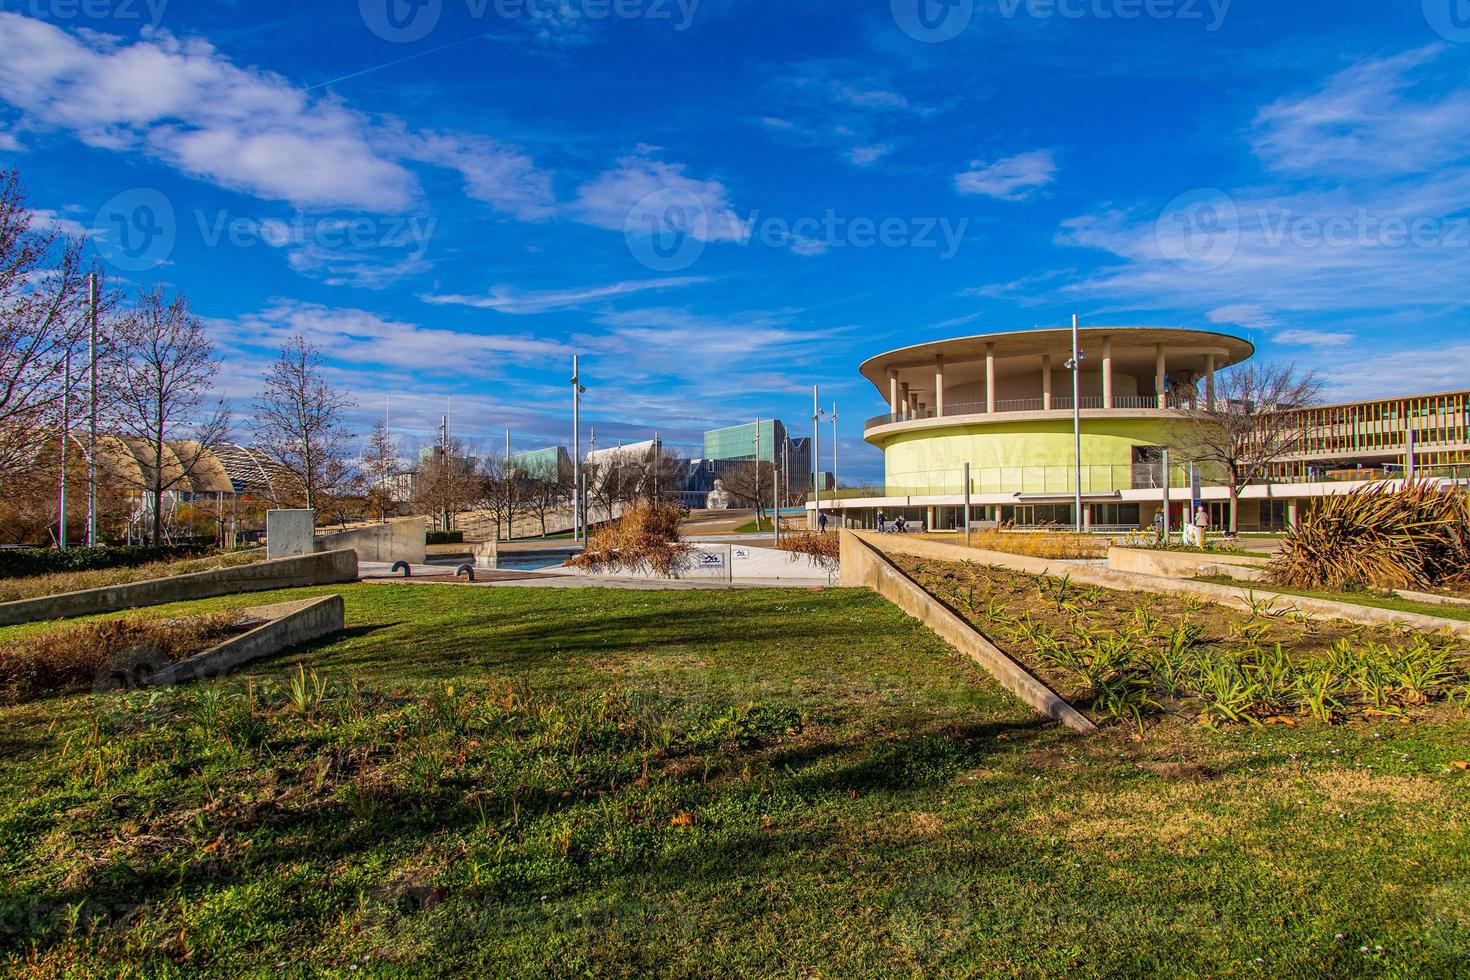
(753, 783)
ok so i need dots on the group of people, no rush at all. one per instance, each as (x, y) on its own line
(1193, 533)
(899, 525)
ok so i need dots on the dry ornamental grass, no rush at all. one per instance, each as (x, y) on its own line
(645, 539)
(74, 658)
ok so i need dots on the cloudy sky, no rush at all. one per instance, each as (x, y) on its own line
(720, 203)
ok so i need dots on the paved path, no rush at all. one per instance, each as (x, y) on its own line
(380, 573)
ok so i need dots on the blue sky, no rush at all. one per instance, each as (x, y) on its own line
(719, 204)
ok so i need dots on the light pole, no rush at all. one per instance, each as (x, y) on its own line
(1075, 366)
(817, 452)
(65, 438)
(758, 476)
(92, 412)
(577, 392)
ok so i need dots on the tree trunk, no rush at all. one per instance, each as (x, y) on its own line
(1234, 510)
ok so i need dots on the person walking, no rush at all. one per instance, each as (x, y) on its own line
(1201, 525)
(822, 522)
(881, 523)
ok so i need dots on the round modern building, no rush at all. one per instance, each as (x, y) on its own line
(1003, 404)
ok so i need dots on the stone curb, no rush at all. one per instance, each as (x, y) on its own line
(287, 624)
(864, 566)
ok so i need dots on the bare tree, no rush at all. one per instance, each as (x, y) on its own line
(299, 422)
(753, 484)
(161, 369)
(545, 497)
(43, 298)
(450, 482)
(1249, 428)
(380, 463)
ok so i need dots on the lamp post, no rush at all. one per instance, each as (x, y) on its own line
(92, 411)
(758, 476)
(1074, 364)
(578, 531)
(817, 414)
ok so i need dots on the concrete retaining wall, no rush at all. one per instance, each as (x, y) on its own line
(397, 540)
(288, 533)
(326, 568)
(1226, 595)
(284, 625)
(864, 566)
(1185, 564)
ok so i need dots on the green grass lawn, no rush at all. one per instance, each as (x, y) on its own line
(515, 783)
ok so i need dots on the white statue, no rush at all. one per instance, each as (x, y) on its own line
(719, 498)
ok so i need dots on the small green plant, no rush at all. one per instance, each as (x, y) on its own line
(305, 693)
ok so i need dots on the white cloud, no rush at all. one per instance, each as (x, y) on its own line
(508, 299)
(1010, 179)
(355, 339)
(609, 199)
(841, 105)
(1249, 315)
(1313, 338)
(184, 103)
(1366, 121)
(1385, 374)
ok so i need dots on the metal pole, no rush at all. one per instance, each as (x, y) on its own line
(758, 474)
(1167, 516)
(65, 438)
(816, 452)
(967, 503)
(1409, 452)
(92, 414)
(834, 450)
(1076, 366)
(576, 452)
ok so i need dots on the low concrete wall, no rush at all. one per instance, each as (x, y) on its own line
(864, 566)
(1185, 564)
(1225, 595)
(284, 625)
(288, 533)
(397, 540)
(326, 568)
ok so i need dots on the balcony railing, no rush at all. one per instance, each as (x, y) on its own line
(1059, 403)
(1060, 481)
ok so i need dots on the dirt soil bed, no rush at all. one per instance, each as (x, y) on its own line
(1137, 656)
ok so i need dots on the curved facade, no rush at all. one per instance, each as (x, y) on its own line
(1004, 404)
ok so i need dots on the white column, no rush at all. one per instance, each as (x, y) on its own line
(939, 385)
(989, 377)
(903, 398)
(1107, 372)
(913, 402)
(1159, 373)
(893, 404)
(1046, 382)
(1210, 382)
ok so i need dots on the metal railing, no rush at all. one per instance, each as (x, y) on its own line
(1059, 403)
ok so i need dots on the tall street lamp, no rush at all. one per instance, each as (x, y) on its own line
(1074, 364)
(578, 531)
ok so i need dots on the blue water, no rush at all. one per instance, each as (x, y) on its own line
(529, 561)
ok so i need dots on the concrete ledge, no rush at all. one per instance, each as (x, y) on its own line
(325, 568)
(283, 625)
(1186, 564)
(401, 539)
(1226, 595)
(864, 566)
